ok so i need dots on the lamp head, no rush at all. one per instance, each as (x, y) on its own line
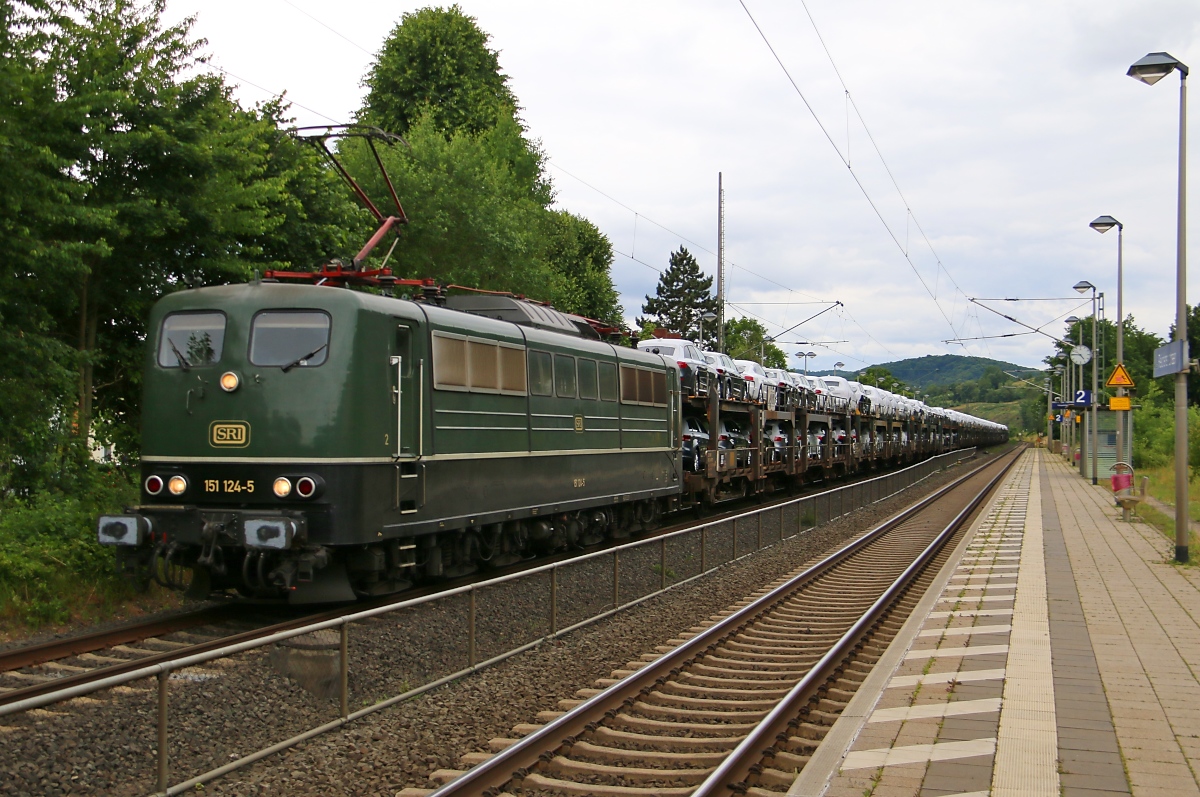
(713, 316)
(1083, 286)
(1156, 66)
(1072, 319)
(838, 365)
(811, 354)
(1104, 224)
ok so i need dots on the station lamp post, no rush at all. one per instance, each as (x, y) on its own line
(1102, 225)
(1149, 70)
(836, 366)
(1061, 371)
(762, 348)
(703, 318)
(1083, 286)
(806, 356)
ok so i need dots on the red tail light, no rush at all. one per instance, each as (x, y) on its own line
(683, 365)
(724, 437)
(687, 437)
(748, 378)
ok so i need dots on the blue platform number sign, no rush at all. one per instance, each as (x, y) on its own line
(1083, 397)
(1058, 418)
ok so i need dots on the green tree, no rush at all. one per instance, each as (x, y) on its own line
(472, 181)
(745, 339)
(582, 256)
(436, 64)
(682, 296)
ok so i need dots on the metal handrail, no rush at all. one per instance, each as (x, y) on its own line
(877, 488)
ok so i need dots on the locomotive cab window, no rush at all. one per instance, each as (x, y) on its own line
(191, 339)
(289, 338)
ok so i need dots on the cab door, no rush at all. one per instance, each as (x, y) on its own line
(407, 388)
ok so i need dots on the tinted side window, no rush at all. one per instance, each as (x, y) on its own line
(541, 379)
(588, 387)
(191, 339)
(287, 337)
(564, 376)
(608, 382)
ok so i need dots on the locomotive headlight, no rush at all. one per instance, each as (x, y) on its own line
(230, 381)
(154, 484)
(177, 485)
(282, 487)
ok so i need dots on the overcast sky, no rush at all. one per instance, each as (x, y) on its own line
(1007, 126)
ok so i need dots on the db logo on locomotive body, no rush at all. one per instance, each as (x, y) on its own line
(229, 434)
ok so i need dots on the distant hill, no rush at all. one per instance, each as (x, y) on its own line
(940, 369)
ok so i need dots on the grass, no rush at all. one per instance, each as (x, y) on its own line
(1162, 487)
(53, 572)
(1165, 524)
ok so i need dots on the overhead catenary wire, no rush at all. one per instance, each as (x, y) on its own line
(637, 214)
(862, 188)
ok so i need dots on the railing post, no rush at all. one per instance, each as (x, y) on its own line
(662, 562)
(471, 630)
(553, 600)
(345, 670)
(616, 579)
(163, 677)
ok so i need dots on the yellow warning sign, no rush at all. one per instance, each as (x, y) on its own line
(1119, 377)
(1120, 403)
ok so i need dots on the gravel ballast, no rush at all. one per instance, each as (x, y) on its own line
(236, 706)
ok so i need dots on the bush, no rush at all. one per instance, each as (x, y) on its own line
(49, 557)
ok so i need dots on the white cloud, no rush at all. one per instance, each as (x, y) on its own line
(1009, 127)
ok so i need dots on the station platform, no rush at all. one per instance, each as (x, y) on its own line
(1057, 652)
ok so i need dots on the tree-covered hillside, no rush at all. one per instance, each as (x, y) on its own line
(941, 369)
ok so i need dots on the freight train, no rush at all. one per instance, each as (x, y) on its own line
(316, 443)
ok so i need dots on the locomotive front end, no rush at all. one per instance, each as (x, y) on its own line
(252, 443)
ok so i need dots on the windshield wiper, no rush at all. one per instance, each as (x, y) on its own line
(183, 363)
(299, 360)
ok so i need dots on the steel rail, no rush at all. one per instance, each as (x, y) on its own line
(30, 655)
(729, 776)
(524, 754)
(80, 684)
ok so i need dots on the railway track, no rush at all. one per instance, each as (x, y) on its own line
(40, 669)
(738, 705)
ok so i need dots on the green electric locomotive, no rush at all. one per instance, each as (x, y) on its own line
(325, 444)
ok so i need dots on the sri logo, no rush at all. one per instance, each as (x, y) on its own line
(229, 434)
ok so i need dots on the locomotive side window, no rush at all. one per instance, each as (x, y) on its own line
(478, 366)
(643, 386)
(512, 370)
(629, 388)
(189, 339)
(564, 376)
(608, 382)
(449, 362)
(541, 379)
(588, 387)
(658, 383)
(289, 338)
(485, 368)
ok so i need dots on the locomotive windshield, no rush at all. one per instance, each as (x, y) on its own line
(289, 338)
(191, 339)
